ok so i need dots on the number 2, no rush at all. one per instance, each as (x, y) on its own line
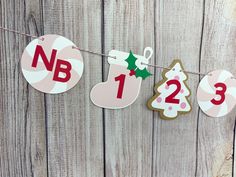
(171, 98)
(121, 79)
(219, 92)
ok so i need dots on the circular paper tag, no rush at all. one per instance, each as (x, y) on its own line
(51, 64)
(216, 93)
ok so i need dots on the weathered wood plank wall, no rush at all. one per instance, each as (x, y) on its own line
(23, 144)
(216, 136)
(65, 135)
(179, 30)
(128, 144)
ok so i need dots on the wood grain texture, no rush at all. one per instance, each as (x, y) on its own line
(22, 121)
(65, 135)
(178, 35)
(74, 125)
(128, 144)
(215, 135)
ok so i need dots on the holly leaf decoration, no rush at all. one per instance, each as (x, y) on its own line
(134, 70)
(142, 73)
(131, 61)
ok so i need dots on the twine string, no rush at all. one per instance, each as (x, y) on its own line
(189, 72)
(102, 54)
(92, 52)
(17, 32)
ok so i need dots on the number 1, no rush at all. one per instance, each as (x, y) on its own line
(121, 79)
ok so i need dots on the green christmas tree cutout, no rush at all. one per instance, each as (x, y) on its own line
(134, 70)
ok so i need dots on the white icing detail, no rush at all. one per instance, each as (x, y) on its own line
(175, 71)
(154, 104)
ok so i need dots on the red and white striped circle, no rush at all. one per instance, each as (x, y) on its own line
(68, 64)
(216, 93)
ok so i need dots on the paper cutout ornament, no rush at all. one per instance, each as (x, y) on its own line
(50, 64)
(134, 69)
(125, 76)
(171, 98)
(216, 93)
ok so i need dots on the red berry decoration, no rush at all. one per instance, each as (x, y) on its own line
(132, 72)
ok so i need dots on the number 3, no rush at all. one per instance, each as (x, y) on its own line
(220, 92)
